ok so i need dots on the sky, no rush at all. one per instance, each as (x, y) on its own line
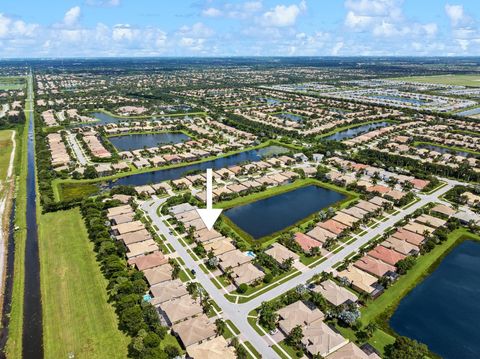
(103, 28)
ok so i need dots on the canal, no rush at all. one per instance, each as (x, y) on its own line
(32, 345)
(273, 214)
(178, 172)
(443, 311)
(147, 140)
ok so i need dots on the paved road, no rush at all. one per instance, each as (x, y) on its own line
(76, 148)
(238, 313)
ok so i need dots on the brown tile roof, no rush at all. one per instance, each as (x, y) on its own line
(386, 255)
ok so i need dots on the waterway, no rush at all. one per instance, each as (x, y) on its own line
(273, 214)
(32, 312)
(443, 311)
(444, 150)
(138, 141)
(178, 172)
(355, 131)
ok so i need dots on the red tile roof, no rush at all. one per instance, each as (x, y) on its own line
(386, 255)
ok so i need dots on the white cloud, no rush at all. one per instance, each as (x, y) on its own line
(455, 13)
(282, 15)
(122, 32)
(337, 47)
(212, 12)
(71, 16)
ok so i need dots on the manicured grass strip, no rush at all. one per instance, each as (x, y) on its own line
(253, 350)
(76, 315)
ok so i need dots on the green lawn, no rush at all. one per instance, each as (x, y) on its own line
(76, 316)
(459, 80)
(12, 83)
(6, 147)
(72, 191)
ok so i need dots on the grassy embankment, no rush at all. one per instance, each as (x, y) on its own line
(14, 344)
(265, 241)
(76, 189)
(76, 315)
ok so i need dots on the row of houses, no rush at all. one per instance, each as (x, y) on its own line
(228, 256)
(371, 171)
(380, 262)
(60, 157)
(320, 339)
(341, 222)
(95, 145)
(176, 307)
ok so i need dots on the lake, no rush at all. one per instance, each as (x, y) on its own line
(443, 311)
(289, 117)
(178, 172)
(135, 142)
(471, 112)
(270, 215)
(445, 150)
(355, 131)
(406, 100)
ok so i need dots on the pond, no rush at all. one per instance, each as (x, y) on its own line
(471, 112)
(444, 150)
(289, 117)
(269, 100)
(443, 311)
(178, 172)
(138, 141)
(266, 216)
(355, 131)
(406, 100)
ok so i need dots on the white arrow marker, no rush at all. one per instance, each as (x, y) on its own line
(209, 215)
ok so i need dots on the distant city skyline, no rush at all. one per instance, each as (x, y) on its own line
(127, 28)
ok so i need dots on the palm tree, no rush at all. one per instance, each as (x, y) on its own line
(221, 326)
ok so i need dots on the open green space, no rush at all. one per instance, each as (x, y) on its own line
(457, 80)
(6, 146)
(12, 83)
(77, 317)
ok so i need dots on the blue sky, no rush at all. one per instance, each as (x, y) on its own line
(70, 28)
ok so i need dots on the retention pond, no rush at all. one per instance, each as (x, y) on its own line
(147, 140)
(178, 172)
(443, 311)
(273, 214)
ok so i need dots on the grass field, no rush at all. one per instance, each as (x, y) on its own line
(12, 83)
(76, 316)
(458, 80)
(6, 146)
